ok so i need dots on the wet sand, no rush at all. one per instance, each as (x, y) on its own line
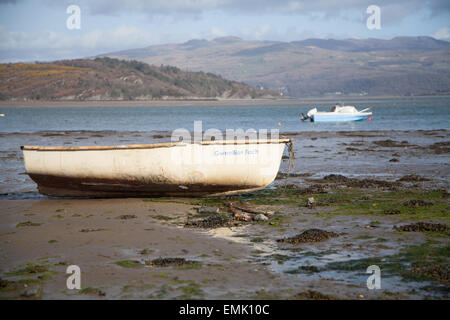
(229, 269)
(107, 238)
(233, 263)
(224, 271)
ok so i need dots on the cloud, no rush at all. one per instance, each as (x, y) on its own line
(440, 6)
(258, 20)
(258, 32)
(49, 45)
(442, 34)
(216, 32)
(327, 8)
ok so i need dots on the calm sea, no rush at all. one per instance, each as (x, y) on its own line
(425, 113)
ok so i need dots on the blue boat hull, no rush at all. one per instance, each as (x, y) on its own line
(339, 117)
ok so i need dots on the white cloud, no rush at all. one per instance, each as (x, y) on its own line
(442, 34)
(54, 45)
(258, 32)
(327, 8)
(216, 32)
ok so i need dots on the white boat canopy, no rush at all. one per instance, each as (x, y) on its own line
(343, 109)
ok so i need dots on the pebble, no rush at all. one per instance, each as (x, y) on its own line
(30, 292)
(243, 217)
(208, 210)
(310, 202)
(261, 217)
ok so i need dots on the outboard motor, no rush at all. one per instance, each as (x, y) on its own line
(309, 114)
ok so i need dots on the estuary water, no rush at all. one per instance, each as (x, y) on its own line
(418, 113)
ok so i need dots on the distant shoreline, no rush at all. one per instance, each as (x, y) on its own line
(205, 102)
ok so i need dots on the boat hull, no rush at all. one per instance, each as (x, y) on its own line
(175, 169)
(335, 117)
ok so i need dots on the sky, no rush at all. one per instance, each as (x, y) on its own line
(36, 30)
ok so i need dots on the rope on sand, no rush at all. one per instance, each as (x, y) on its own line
(290, 146)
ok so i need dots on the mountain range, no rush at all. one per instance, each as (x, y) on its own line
(314, 67)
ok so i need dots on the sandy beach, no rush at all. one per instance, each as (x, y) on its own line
(360, 194)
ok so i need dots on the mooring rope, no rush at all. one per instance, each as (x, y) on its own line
(290, 145)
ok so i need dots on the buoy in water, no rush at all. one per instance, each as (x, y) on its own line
(279, 123)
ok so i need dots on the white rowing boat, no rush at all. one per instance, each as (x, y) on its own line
(173, 169)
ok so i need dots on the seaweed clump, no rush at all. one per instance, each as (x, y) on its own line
(310, 235)
(312, 295)
(422, 226)
(215, 221)
(167, 262)
(417, 203)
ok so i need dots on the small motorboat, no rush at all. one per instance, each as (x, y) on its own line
(338, 113)
(161, 169)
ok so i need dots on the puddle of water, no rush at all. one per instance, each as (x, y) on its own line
(32, 195)
(283, 260)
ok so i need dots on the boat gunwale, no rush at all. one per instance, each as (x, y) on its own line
(342, 113)
(156, 145)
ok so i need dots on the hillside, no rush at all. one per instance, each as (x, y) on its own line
(315, 67)
(112, 79)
